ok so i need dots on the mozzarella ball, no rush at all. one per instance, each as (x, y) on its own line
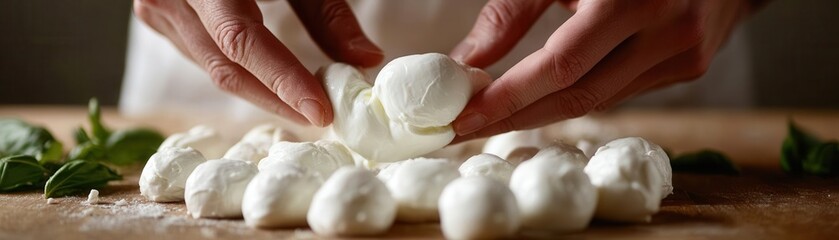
(629, 185)
(416, 185)
(352, 202)
(255, 144)
(201, 138)
(521, 154)
(383, 125)
(164, 176)
(553, 192)
(322, 157)
(504, 144)
(279, 196)
(216, 187)
(488, 165)
(425, 90)
(478, 208)
(651, 152)
(563, 152)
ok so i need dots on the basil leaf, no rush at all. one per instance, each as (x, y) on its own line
(81, 136)
(87, 151)
(795, 148)
(79, 176)
(132, 146)
(704, 162)
(20, 172)
(822, 160)
(99, 131)
(20, 138)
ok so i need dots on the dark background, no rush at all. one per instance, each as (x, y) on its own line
(65, 51)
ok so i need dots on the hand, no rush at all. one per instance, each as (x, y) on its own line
(229, 40)
(607, 51)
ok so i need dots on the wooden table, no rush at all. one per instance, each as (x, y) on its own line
(760, 203)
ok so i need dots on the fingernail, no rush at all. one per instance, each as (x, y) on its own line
(312, 110)
(470, 123)
(462, 51)
(364, 45)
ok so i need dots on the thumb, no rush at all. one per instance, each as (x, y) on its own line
(334, 27)
(500, 25)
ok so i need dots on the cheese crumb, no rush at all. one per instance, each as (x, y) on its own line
(121, 202)
(93, 197)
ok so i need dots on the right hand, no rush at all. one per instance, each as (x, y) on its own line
(229, 40)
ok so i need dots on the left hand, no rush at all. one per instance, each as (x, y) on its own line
(607, 51)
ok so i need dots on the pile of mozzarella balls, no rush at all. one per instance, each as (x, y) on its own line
(369, 176)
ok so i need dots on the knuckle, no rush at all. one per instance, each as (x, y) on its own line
(497, 15)
(225, 75)
(512, 103)
(697, 64)
(564, 69)
(336, 14)
(233, 39)
(692, 31)
(575, 104)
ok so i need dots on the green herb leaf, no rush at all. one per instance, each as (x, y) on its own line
(796, 147)
(88, 151)
(81, 136)
(21, 172)
(132, 146)
(704, 162)
(822, 160)
(99, 131)
(79, 176)
(20, 138)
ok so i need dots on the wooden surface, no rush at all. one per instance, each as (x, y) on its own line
(760, 203)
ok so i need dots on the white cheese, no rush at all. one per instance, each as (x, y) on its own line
(279, 196)
(321, 158)
(416, 185)
(478, 208)
(352, 202)
(628, 184)
(216, 187)
(486, 164)
(409, 111)
(164, 177)
(553, 192)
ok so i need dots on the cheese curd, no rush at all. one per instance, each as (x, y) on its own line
(409, 110)
(516, 146)
(478, 207)
(216, 187)
(322, 157)
(553, 192)
(416, 185)
(628, 184)
(488, 165)
(651, 152)
(164, 177)
(201, 138)
(352, 202)
(255, 144)
(279, 196)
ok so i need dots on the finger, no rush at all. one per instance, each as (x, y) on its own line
(687, 65)
(151, 15)
(236, 28)
(500, 25)
(571, 51)
(608, 78)
(334, 27)
(226, 74)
